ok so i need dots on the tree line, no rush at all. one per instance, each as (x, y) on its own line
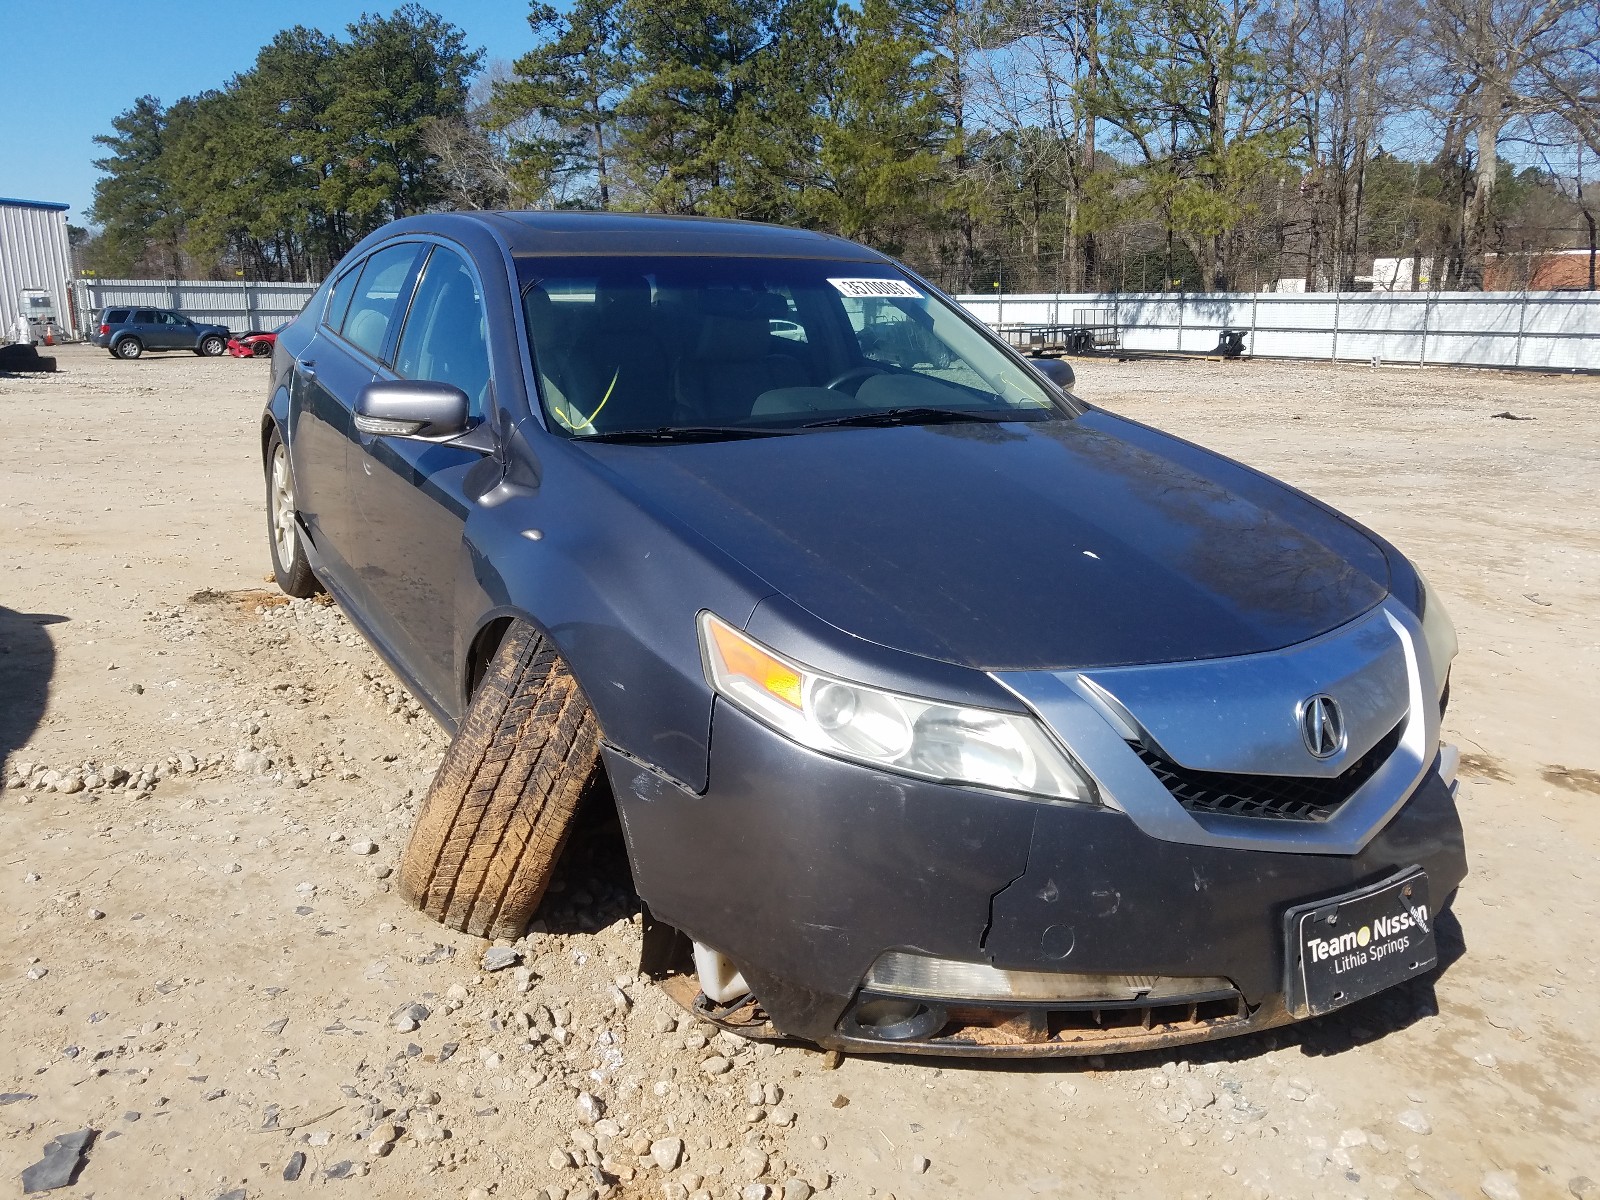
(1054, 145)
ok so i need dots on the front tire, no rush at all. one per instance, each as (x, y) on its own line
(129, 348)
(211, 346)
(289, 564)
(498, 812)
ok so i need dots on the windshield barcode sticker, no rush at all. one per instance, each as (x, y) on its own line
(876, 287)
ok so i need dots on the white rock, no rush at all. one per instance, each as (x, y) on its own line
(1415, 1120)
(920, 1164)
(380, 1139)
(363, 847)
(755, 1191)
(231, 868)
(782, 1117)
(1500, 1185)
(589, 1108)
(716, 1065)
(667, 1153)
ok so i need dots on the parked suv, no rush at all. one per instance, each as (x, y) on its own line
(128, 332)
(941, 711)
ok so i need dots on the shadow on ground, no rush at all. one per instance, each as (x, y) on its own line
(27, 663)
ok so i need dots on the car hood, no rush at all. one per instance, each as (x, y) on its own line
(1021, 546)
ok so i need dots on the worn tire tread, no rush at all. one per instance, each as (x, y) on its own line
(497, 814)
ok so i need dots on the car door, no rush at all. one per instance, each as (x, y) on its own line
(410, 495)
(175, 332)
(145, 324)
(328, 376)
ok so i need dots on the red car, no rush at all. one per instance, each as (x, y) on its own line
(252, 345)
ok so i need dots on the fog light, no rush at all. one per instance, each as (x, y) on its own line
(899, 973)
(896, 1020)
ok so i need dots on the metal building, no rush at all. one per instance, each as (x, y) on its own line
(35, 265)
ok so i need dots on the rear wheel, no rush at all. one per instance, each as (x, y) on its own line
(289, 564)
(211, 346)
(498, 812)
(128, 347)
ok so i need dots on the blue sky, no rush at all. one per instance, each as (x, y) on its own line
(69, 70)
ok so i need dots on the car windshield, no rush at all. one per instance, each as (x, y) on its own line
(674, 347)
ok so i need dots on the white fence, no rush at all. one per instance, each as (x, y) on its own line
(241, 306)
(1544, 330)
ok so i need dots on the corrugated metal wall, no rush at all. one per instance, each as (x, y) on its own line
(1551, 330)
(240, 306)
(34, 253)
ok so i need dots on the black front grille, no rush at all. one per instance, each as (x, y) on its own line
(1276, 797)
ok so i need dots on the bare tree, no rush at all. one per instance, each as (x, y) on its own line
(1342, 61)
(1037, 84)
(1488, 63)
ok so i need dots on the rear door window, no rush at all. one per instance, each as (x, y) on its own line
(446, 333)
(377, 296)
(114, 316)
(144, 316)
(339, 298)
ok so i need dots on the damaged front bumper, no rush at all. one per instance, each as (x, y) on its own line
(805, 871)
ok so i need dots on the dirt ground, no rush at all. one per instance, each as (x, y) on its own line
(205, 791)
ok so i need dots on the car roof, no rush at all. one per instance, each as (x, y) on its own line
(605, 233)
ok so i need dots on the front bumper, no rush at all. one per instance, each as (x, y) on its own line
(803, 869)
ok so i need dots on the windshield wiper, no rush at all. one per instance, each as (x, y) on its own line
(913, 416)
(681, 433)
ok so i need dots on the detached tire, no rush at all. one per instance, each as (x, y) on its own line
(498, 812)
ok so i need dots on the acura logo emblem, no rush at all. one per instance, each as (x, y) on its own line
(1322, 726)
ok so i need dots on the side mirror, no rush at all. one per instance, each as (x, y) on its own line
(1057, 372)
(411, 408)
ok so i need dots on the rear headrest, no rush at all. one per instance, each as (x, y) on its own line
(622, 300)
(728, 302)
(733, 339)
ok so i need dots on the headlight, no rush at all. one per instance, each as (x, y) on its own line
(1438, 631)
(1004, 751)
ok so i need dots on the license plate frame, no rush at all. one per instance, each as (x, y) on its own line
(1347, 947)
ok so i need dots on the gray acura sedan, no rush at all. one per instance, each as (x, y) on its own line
(941, 711)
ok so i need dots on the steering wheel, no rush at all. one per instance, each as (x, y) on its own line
(865, 373)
